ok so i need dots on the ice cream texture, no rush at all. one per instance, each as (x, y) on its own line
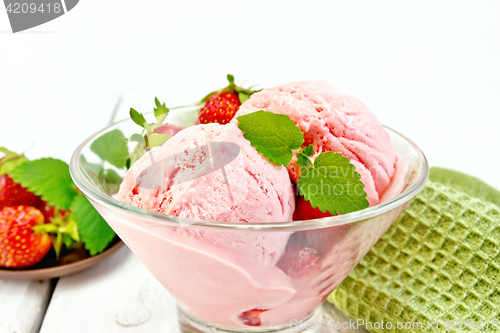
(257, 191)
(332, 121)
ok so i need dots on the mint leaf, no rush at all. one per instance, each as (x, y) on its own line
(303, 157)
(332, 184)
(309, 151)
(273, 135)
(137, 138)
(10, 160)
(110, 181)
(48, 178)
(137, 117)
(106, 180)
(139, 149)
(111, 147)
(94, 232)
(303, 161)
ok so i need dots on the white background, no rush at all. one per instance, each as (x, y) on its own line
(429, 69)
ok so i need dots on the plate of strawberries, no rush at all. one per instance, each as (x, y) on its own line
(48, 228)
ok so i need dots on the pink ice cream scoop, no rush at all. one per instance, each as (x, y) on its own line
(332, 121)
(182, 179)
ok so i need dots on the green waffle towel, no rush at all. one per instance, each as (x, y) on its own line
(439, 261)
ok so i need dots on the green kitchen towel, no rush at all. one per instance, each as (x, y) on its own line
(438, 263)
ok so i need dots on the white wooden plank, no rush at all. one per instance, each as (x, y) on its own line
(118, 295)
(22, 305)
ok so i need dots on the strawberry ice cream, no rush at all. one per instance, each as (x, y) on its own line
(332, 121)
(243, 278)
(256, 190)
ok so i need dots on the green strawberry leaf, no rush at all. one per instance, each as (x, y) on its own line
(161, 112)
(156, 140)
(243, 97)
(111, 147)
(333, 185)
(137, 117)
(273, 135)
(94, 232)
(10, 160)
(230, 79)
(48, 178)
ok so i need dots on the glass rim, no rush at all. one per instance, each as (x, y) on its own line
(154, 217)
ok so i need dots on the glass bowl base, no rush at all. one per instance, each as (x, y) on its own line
(190, 324)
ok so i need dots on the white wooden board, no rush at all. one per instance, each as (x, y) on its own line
(118, 295)
(22, 305)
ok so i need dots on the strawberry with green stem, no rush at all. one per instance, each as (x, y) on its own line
(57, 222)
(12, 193)
(69, 216)
(153, 134)
(63, 228)
(220, 106)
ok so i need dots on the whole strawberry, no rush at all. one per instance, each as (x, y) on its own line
(13, 194)
(20, 245)
(304, 211)
(220, 106)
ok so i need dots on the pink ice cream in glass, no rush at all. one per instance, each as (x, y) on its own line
(222, 241)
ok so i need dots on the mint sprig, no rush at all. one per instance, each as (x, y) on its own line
(48, 178)
(111, 147)
(273, 135)
(330, 183)
(94, 232)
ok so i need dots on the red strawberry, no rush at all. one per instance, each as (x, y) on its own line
(49, 212)
(168, 129)
(13, 194)
(304, 211)
(220, 106)
(322, 240)
(299, 261)
(20, 245)
(251, 317)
